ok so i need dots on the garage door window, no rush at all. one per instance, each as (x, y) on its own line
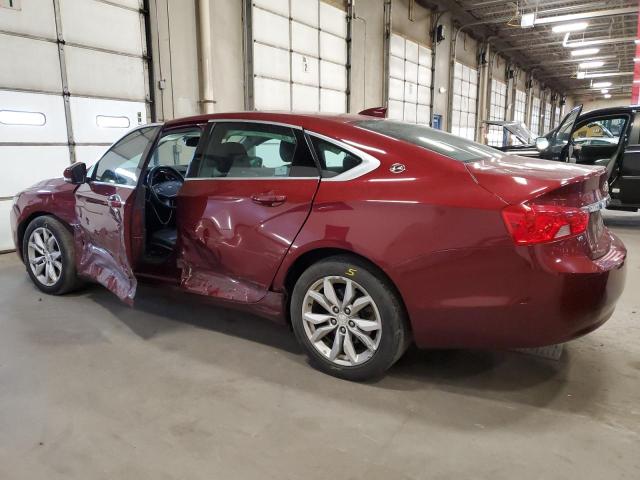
(497, 111)
(520, 106)
(122, 163)
(535, 116)
(465, 93)
(409, 81)
(247, 150)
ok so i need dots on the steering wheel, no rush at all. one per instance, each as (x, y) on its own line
(164, 182)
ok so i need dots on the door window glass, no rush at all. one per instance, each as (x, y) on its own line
(600, 132)
(176, 149)
(246, 150)
(121, 164)
(333, 159)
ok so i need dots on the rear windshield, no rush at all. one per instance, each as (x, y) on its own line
(431, 139)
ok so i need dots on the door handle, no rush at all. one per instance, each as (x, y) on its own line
(114, 201)
(269, 199)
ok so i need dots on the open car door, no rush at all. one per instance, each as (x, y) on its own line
(104, 206)
(560, 146)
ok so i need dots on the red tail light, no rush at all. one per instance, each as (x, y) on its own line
(532, 223)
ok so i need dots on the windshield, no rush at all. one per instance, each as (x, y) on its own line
(431, 139)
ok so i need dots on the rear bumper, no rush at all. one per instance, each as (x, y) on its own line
(530, 299)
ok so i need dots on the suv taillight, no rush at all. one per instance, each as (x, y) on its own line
(534, 223)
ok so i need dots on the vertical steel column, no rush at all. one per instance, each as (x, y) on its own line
(247, 50)
(64, 80)
(386, 51)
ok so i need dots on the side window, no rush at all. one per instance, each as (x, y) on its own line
(176, 149)
(334, 160)
(246, 150)
(600, 132)
(121, 164)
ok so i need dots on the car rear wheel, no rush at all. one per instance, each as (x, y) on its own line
(348, 318)
(48, 253)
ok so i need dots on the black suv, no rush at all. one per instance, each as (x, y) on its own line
(609, 137)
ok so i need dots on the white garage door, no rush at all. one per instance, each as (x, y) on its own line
(73, 81)
(299, 56)
(409, 81)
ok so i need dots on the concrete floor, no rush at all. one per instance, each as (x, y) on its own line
(175, 389)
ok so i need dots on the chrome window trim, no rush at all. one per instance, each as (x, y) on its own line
(261, 122)
(369, 162)
(316, 178)
(130, 187)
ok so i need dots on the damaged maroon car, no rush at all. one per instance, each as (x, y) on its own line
(364, 234)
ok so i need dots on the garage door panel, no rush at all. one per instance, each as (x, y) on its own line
(304, 39)
(135, 4)
(271, 62)
(305, 98)
(6, 238)
(270, 28)
(424, 56)
(278, 6)
(332, 101)
(90, 154)
(39, 70)
(410, 112)
(333, 48)
(305, 11)
(396, 46)
(396, 67)
(271, 94)
(411, 51)
(92, 23)
(35, 17)
(104, 121)
(411, 72)
(24, 166)
(423, 114)
(104, 74)
(396, 89)
(333, 76)
(395, 110)
(32, 117)
(304, 69)
(332, 20)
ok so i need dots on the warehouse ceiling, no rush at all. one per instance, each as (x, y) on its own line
(611, 30)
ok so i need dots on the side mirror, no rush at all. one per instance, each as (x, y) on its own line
(76, 173)
(542, 144)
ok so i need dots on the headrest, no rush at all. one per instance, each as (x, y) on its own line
(287, 150)
(349, 162)
(229, 149)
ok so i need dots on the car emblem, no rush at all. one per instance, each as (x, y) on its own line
(397, 168)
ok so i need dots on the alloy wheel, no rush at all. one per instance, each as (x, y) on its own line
(341, 320)
(45, 257)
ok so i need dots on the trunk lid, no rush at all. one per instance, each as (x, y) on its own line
(517, 180)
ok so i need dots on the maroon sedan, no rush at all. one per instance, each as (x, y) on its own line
(364, 234)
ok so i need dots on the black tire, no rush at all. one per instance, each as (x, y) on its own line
(395, 334)
(68, 279)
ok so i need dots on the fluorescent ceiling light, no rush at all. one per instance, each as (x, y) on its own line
(584, 51)
(601, 84)
(605, 90)
(527, 20)
(608, 95)
(595, 64)
(570, 27)
(580, 75)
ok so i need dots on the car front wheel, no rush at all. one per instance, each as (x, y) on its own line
(48, 254)
(348, 318)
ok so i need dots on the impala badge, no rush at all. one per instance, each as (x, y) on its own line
(397, 168)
